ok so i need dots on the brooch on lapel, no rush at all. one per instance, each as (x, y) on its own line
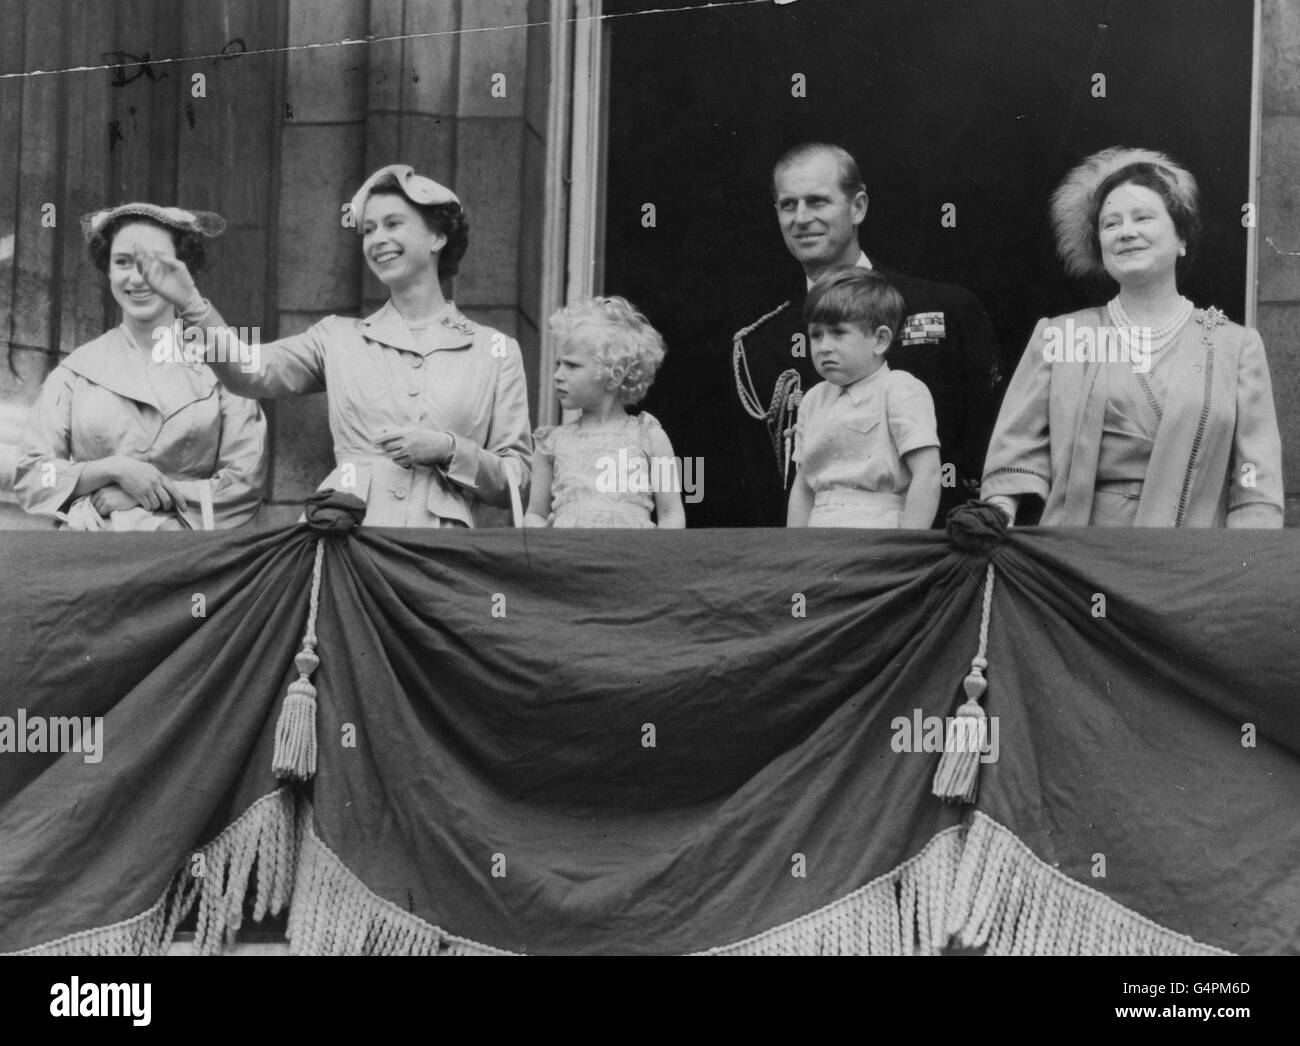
(922, 328)
(458, 323)
(1209, 319)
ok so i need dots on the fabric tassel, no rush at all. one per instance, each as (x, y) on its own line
(957, 777)
(294, 758)
(295, 732)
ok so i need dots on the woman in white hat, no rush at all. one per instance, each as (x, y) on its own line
(428, 410)
(1148, 411)
(127, 434)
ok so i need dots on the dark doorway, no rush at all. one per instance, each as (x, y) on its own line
(983, 105)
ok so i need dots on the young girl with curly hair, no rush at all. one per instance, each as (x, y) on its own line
(607, 468)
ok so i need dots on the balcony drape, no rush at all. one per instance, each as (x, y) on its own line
(612, 742)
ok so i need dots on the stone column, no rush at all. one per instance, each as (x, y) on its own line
(323, 134)
(1279, 228)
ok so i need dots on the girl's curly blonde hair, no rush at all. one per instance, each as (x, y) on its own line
(627, 349)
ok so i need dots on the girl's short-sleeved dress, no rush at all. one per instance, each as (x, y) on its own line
(604, 478)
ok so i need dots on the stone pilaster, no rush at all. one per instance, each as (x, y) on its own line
(1279, 228)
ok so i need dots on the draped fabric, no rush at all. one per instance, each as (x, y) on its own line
(105, 625)
(625, 742)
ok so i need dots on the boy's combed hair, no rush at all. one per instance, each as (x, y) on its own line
(852, 294)
(628, 348)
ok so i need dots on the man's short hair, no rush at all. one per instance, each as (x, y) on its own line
(850, 177)
(852, 294)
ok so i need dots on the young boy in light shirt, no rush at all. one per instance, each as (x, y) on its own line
(866, 441)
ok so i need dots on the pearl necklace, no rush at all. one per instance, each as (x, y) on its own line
(1160, 337)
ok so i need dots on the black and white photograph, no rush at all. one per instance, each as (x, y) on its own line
(953, 344)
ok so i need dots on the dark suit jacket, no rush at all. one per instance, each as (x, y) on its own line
(958, 366)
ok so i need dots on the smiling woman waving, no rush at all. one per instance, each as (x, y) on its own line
(1148, 411)
(427, 409)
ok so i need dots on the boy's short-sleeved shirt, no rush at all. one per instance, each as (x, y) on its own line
(855, 436)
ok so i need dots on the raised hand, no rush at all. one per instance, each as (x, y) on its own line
(166, 275)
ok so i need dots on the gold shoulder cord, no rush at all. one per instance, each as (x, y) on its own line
(786, 395)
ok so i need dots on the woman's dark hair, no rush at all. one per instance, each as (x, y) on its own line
(1182, 207)
(446, 218)
(189, 245)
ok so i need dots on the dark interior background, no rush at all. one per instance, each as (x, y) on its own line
(984, 104)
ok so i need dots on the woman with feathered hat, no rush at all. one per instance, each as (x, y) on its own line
(1148, 411)
(428, 410)
(125, 437)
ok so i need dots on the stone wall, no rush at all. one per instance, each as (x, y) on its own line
(1278, 318)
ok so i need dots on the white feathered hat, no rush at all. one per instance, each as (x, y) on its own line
(1074, 201)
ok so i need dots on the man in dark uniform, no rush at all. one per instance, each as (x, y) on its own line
(946, 341)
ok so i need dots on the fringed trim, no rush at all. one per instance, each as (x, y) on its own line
(265, 835)
(335, 913)
(269, 840)
(987, 890)
(1007, 899)
(899, 913)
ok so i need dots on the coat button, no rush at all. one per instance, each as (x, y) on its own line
(415, 361)
(399, 493)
